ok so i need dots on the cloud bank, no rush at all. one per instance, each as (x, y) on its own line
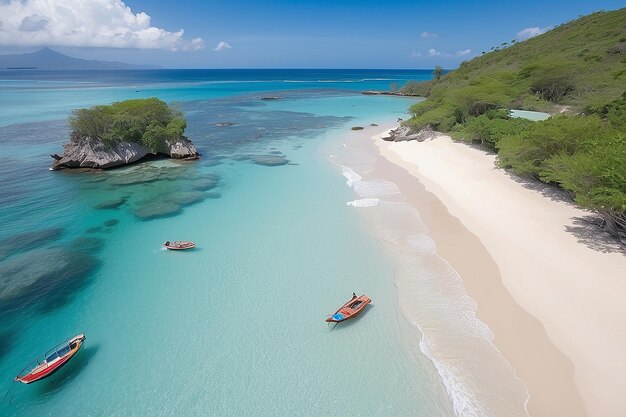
(432, 52)
(92, 23)
(221, 46)
(528, 33)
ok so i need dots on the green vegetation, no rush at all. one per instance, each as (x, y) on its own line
(150, 122)
(577, 70)
(438, 72)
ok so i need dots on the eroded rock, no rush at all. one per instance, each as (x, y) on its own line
(110, 204)
(83, 152)
(157, 209)
(270, 160)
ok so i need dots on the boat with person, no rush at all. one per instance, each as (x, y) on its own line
(179, 245)
(52, 360)
(350, 310)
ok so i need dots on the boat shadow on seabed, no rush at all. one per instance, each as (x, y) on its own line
(18, 394)
(67, 374)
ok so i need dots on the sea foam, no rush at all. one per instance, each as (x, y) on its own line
(479, 380)
(432, 296)
(364, 202)
(351, 176)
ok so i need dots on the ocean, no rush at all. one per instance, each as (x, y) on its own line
(236, 326)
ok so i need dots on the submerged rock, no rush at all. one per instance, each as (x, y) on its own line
(111, 222)
(270, 160)
(44, 273)
(87, 244)
(205, 184)
(212, 162)
(29, 240)
(139, 176)
(240, 157)
(84, 152)
(93, 229)
(213, 195)
(111, 204)
(187, 198)
(157, 209)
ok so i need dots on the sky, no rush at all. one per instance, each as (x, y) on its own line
(280, 33)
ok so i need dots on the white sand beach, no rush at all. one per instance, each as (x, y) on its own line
(549, 290)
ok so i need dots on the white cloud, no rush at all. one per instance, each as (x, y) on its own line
(433, 52)
(95, 23)
(221, 46)
(530, 32)
(429, 35)
(464, 52)
(415, 54)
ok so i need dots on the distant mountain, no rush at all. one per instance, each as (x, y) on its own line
(46, 58)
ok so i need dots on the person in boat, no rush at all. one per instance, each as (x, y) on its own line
(353, 295)
(167, 243)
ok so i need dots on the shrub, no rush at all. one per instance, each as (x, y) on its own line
(414, 88)
(527, 151)
(490, 127)
(552, 88)
(150, 122)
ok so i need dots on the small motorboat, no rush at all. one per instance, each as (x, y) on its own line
(179, 245)
(350, 310)
(52, 360)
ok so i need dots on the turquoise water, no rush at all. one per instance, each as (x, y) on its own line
(530, 115)
(235, 327)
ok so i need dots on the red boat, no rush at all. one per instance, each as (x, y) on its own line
(179, 245)
(53, 360)
(350, 310)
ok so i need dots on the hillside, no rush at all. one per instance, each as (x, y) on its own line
(46, 58)
(576, 70)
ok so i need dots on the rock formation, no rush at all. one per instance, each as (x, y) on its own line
(403, 133)
(82, 152)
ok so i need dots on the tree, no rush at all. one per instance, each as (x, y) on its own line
(438, 72)
(150, 122)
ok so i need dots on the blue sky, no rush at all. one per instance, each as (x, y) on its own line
(280, 34)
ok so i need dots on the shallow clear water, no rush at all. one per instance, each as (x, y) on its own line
(235, 327)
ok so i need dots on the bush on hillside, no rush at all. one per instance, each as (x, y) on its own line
(489, 128)
(582, 154)
(414, 88)
(552, 88)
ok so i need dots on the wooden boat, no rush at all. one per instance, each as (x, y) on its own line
(179, 245)
(349, 310)
(53, 360)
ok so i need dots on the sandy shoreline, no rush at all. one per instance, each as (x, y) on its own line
(554, 303)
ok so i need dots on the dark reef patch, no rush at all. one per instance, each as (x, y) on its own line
(187, 198)
(111, 204)
(29, 240)
(156, 209)
(45, 277)
(270, 160)
(111, 222)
